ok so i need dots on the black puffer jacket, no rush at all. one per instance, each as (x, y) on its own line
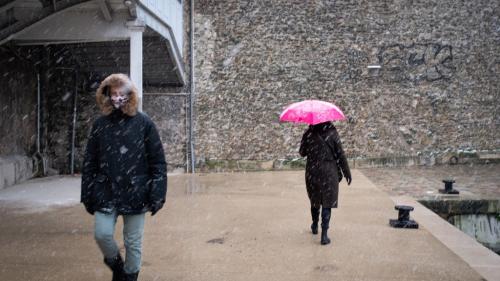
(124, 167)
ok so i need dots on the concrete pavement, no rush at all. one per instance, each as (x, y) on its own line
(481, 180)
(240, 226)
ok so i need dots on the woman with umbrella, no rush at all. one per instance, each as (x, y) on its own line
(326, 161)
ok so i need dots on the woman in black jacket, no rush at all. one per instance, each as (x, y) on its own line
(124, 173)
(325, 161)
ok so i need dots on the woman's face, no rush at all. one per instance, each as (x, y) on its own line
(119, 96)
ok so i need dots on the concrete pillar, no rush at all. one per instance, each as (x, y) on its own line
(136, 30)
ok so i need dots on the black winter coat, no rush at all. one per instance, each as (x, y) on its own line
(322, 180)
(124, 167)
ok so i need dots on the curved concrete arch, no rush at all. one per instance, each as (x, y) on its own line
(10, 32)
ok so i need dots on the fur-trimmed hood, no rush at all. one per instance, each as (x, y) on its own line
(103, 98)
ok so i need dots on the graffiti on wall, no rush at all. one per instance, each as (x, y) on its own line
(417, 62)
(356, 60)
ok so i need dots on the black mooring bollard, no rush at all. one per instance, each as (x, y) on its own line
(403, 220)
(448, 187)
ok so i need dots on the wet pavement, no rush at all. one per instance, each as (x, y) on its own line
(480, 180)
(41, 194)
(240, 226)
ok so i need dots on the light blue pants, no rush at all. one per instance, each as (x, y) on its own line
(133, 231)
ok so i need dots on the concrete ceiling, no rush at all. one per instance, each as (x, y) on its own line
(88, 35)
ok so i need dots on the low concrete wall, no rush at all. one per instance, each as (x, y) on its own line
(478, 218)
(447, 208)
(15, 169)
(484, 228)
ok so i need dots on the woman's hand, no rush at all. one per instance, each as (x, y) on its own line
(155, 207)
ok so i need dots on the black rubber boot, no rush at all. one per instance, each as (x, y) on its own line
(116, 265)
(325, 224)
(315, 219)
(131, 276)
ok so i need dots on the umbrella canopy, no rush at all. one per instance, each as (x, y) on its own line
(312, 112)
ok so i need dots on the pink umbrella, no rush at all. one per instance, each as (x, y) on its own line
(312, 112)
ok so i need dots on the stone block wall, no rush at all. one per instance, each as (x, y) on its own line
(18, 101)
(436, 90)
(168, 112)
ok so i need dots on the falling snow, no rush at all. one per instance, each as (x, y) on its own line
(123, 149)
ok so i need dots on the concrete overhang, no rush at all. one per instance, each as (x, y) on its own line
(77, 22)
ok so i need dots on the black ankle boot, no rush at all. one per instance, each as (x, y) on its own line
(324, 237)
(325, 223)
(315, 219)
(116, 265)
(131, 276)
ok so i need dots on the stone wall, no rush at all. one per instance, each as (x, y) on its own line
(168, 112)
(18, 103)
(18, 100)
(59, 117)
(436, 90)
